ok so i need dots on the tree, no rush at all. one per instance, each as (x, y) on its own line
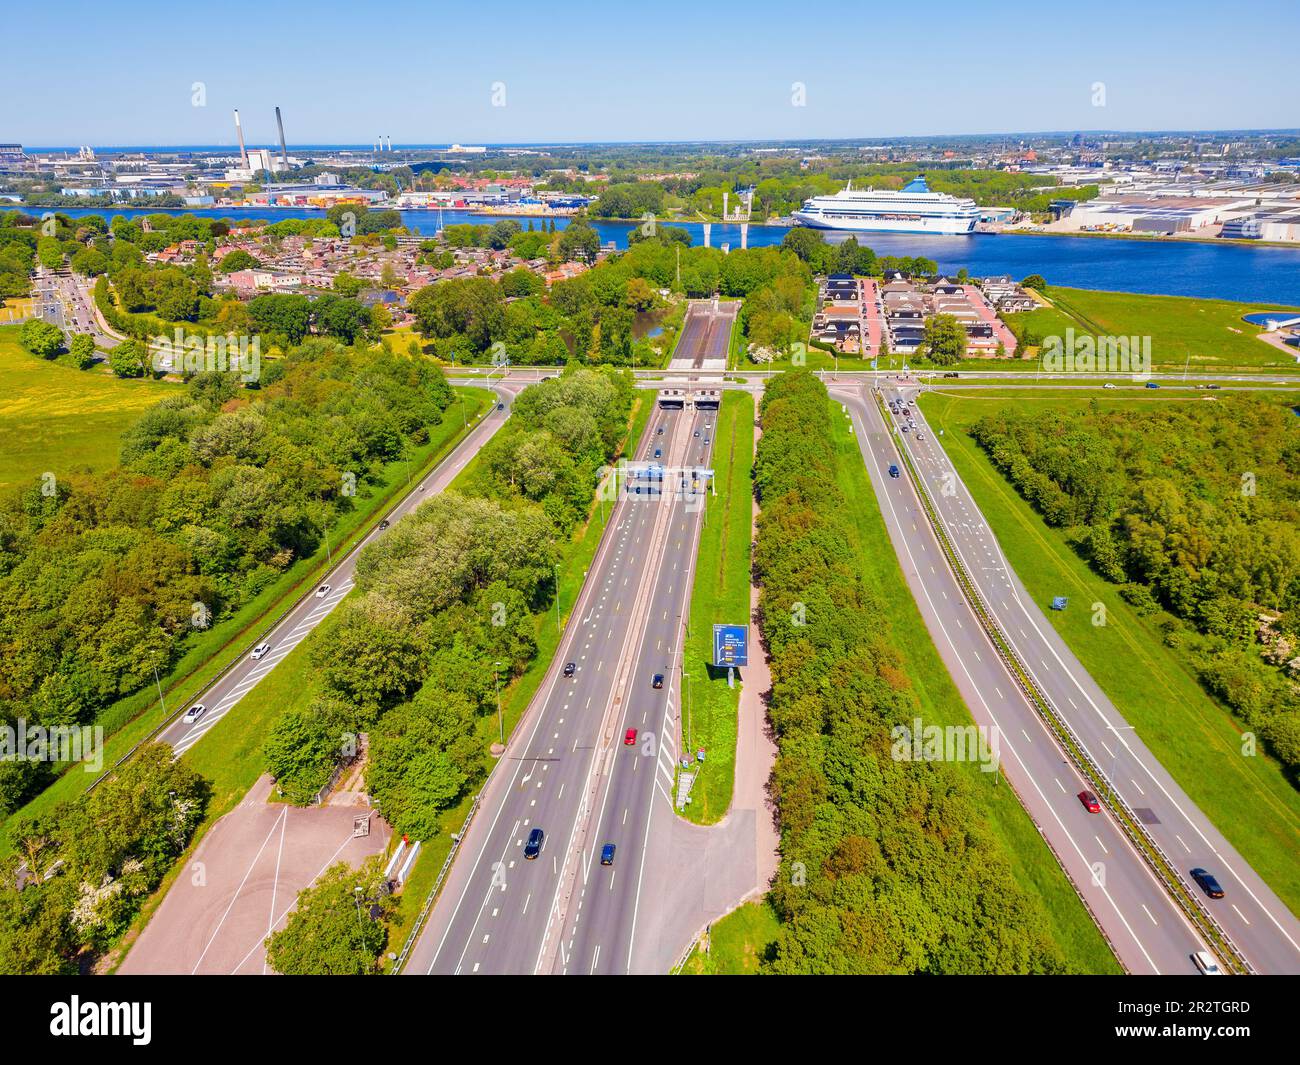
(238, 260)
(579, 241)
(336, 928)
(945, 339)
(126, 359)
(1034, 281)
(42, 339)
(82, 350)
(89, 262)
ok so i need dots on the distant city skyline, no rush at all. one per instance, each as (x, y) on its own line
(583, 73)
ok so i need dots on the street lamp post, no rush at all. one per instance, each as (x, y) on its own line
(501, 723)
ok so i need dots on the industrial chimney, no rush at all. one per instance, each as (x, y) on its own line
(239, 131)
(284, 152)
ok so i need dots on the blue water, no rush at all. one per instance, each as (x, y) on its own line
(1265, 317)
(1155, 267)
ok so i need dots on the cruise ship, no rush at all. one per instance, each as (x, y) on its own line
(913, 209)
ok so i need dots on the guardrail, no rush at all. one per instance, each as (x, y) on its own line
(427, 908)
(1142, 840)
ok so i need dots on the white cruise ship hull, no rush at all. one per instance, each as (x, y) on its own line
(887, 223)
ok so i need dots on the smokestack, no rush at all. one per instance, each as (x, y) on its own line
(284, 152)
(239, 130)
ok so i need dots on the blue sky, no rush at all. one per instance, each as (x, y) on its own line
(104, 74)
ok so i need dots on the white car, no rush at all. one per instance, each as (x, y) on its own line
(194, 713)
(260, 651)
(1206, 963)
(322, 591)
(1109, 384)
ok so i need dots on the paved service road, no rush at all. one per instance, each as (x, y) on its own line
(499, 912)
(311, 610)
(1149, 933)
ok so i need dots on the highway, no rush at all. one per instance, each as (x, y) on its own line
(1149, 933)
(221, 696)
(567, 770)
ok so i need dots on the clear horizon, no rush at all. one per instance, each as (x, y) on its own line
(580, 73)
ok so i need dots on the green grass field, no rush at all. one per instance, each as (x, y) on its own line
(55, 418)
(1032, 862)
(720, 594)
(1199, 334)
(1197, 740)
(736, 943)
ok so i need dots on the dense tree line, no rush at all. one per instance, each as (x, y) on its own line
(447, 607)
(80, 871)
(106, 577)
(1195, 510)
(887, 866)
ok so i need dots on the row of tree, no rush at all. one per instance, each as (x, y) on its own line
(887, 865)
(1194, 509)
(447, 607)
(107, 577)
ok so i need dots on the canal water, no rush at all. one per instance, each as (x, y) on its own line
(1157, 267)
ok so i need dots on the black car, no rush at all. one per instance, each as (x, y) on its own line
(697, 432)
(1207, 883)
(534, 845)
(501, 406)
(660, 431)
(384, 524)
(570, 668)
(657, 681)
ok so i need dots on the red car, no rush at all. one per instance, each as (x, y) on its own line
(1090, 802)
(629, 738)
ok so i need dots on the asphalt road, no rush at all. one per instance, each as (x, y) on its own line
(232, 686)
(567, 771)
(1148, 932)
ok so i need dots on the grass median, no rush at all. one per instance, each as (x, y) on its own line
(1250, 800)
(719, 595)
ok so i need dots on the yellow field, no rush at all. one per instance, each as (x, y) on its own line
(16, 310)
(57, 419)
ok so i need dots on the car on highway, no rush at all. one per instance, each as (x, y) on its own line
(194, 713)
(322, 591)
(1152, 384)
(534, 845)
(607, 854)
(659, 431)
(659, 452)
(657, 681)
(501, 406)
(1090, 802)
(259, 652)
(1205, 880)
(570, 668)
(385, 524)
(952, 373)
(893, 470)
(697, 432)
(706, 440)
(905, 429)
(920, 435)
(1109, 384)
(1206, 963)
(629, 738)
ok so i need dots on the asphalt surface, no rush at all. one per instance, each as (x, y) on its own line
(1146, 929)
(567, 769)
(220, 697)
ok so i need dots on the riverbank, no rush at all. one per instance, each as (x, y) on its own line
(1229, 271)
